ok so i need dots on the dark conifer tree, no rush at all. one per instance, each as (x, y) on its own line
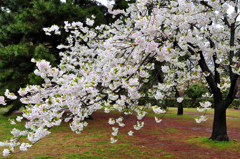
(22, 37)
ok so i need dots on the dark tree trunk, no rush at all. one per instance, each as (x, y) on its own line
(90, 118)
(219, 130)
(180, 107)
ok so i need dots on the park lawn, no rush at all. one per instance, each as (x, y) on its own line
(175, 137)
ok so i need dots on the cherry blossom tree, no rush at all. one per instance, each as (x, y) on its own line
(108, 67)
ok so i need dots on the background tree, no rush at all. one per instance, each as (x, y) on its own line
(22, 36)
(194, 91)
(122, 4)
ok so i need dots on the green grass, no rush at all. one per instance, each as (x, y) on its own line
(6, 127)
(233, 113)
(168, 154)
(43, 157)
(207, 143)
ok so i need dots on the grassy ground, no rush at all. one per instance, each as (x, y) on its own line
(175, 137)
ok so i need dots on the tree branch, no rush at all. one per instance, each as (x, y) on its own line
(217, 76)
(204, 67)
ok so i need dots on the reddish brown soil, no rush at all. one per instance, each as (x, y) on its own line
(171, 135)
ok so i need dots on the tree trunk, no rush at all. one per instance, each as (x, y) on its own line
(219, 130)
(180, 107)
(90, 118)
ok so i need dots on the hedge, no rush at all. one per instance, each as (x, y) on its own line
(187, 102)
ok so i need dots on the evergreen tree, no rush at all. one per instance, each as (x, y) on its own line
(122, 4)
(22, 37)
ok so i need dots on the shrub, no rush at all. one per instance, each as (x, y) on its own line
(187, 102)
